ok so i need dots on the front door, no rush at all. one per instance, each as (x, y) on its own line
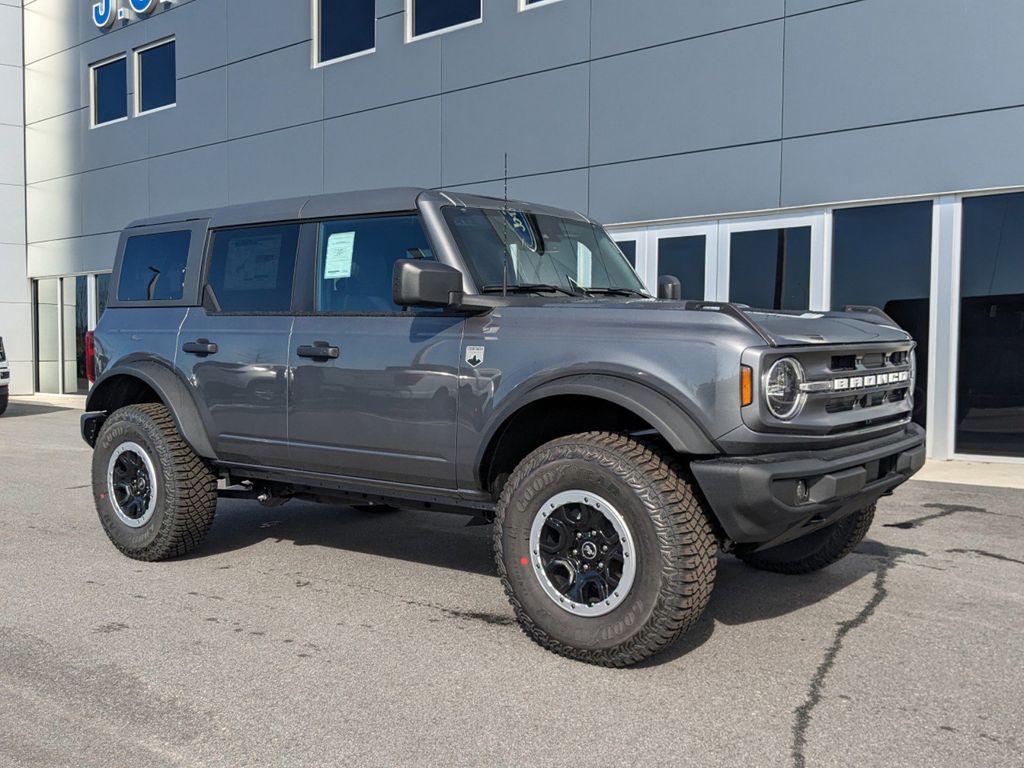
(374, 387)
(234, 349)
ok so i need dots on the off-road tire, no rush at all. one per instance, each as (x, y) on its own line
(815, 551)
(186, 488)
(675, 546)
(5, 397)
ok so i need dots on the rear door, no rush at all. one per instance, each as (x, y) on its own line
(234, 348)
(374, 386)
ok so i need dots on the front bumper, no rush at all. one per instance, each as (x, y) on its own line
(756, 498)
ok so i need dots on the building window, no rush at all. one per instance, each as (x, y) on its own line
(343, 29)
(153, 267)
(683, 259)
(990, 379)
(894, 241)
(109, 85)
(432, 17)
(155, 77)
(771, 268)
(251, 269)
(525, 5)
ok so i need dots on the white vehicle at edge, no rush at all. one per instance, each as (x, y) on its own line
(5, 377)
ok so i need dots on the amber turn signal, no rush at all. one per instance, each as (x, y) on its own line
(746, 385)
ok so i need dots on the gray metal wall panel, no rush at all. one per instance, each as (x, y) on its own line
(53, 86)
(12, 155)
(540, 120)
(54, 146)
(54, 209)
(49, 27)
(693, 95)
(625, 25)
(393, 146)
(878, 62)
(394, 72)
(258, 26)
(953, 153)
(555, 35)
(283, 163)
(11, 105)
(276, 90)
(182, 181)
(112, 196)
(738, 179)
(12, 218)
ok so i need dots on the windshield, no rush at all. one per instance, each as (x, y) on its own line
(536, 251)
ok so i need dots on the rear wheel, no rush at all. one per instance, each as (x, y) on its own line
(817, 550)
(155, 497)
(603, 549)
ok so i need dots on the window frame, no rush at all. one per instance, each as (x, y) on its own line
(317, 60)
(525, 6)
(137, 76)
(93, 70)
(301, 253)
(193, 265)
(410, 23)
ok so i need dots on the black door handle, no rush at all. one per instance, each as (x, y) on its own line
(319, 350)
(199, 347)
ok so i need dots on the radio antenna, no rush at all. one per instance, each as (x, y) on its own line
(505, 244)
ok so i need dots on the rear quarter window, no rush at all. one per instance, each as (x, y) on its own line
(153, 267)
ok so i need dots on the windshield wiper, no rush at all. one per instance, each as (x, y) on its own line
(616, 292)
(527, 288)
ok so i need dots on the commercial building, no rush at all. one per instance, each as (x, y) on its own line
(801, 154)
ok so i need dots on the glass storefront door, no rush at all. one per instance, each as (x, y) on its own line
(65, 309)
(990, 369)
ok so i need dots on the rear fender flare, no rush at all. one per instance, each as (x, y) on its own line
(173, 392)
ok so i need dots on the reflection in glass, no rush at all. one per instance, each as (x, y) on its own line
(346, 27)
(47, 338)
(990, 379)
(683, 257)
(102, 294)
(771, 268)
(881, 256)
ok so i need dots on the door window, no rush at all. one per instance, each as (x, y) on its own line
(357, 257)
(251, 269)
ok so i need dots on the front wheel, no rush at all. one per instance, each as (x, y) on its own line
(603, 549)
(815, 551)
(4, 398)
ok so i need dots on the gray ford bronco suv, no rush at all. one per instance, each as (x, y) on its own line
(433, 350)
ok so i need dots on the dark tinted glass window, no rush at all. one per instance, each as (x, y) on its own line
(357, 258)
(346, 27)
(432, 15)
(771, 268)
(156, 77)
(881, 256)
(683, 257)
(110, 91)
(990, 381)
(102, 294)
(251, 269)
(153, 267)
(628, 248)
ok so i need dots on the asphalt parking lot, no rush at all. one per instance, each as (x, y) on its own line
(308, 635)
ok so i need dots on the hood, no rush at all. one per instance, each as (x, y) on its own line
(785, 329)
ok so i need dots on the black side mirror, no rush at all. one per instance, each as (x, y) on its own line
(419, 283)
(669, 287)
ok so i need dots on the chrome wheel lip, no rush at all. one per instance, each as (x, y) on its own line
(147, 515)
(618, 522)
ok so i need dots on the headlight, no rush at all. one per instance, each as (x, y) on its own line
(782, 388)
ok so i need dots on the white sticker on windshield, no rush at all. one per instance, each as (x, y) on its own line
(338, 262)
(584, 266)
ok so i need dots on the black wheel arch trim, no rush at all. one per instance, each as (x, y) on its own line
(170, 387)
(669, 418)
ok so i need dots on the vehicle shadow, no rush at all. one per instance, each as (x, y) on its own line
(16, 409)
(741, 595)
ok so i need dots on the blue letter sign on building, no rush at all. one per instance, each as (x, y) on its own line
(105, 11)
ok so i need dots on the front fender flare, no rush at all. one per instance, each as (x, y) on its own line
(173, 392)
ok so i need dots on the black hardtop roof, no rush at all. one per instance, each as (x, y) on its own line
(362, 202)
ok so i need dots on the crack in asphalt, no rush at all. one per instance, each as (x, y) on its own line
(945, 510)
(983, 553)
(887, 558)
